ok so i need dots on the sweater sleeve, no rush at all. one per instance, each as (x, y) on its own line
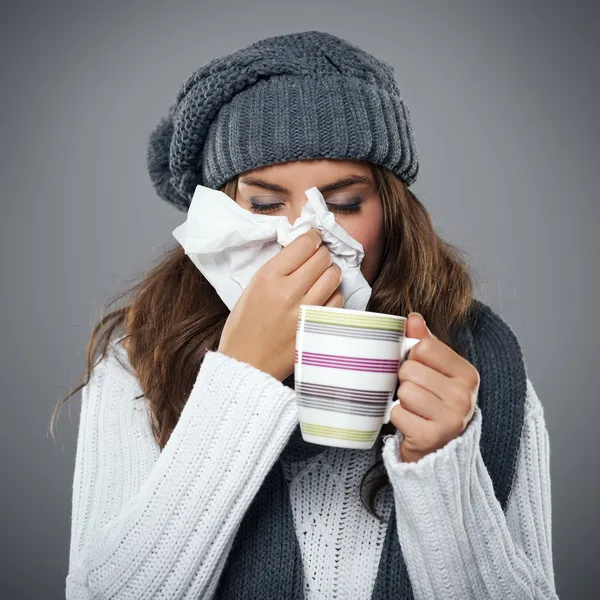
(456, 539)
(159, 524)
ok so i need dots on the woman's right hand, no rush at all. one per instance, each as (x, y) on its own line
(261, 328)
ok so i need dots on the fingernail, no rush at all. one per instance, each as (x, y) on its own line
(416, 313)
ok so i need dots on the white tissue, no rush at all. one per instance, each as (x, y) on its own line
(229, 244)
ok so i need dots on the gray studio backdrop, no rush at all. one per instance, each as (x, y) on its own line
(503, 98)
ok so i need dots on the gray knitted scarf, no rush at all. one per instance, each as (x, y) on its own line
(265, 561)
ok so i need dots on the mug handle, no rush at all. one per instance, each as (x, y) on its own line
(405, 346)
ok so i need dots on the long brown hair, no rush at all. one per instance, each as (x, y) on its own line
(174, 316)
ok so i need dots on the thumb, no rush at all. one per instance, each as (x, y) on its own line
(416, 327)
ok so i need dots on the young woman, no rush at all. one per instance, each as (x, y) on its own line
(191, 478)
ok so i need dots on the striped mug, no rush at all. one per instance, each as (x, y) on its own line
(346, 373)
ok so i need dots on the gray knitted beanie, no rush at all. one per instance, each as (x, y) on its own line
(289, 97)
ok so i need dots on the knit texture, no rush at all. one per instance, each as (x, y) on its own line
(489, 344)
(148, 524)
(340, 541)
(303, 95)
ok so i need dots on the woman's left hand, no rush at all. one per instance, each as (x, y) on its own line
(438, 393)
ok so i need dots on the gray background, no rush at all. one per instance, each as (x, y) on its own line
(503, 98)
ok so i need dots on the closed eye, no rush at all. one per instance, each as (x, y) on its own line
(351, 207)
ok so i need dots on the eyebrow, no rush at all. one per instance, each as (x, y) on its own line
(336, 185)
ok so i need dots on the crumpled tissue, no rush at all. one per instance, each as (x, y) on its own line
(228, 243)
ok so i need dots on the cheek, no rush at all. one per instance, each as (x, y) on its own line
(367, 230)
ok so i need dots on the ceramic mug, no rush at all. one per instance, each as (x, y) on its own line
(346, 373)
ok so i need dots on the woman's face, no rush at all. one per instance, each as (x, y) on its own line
(347, 186)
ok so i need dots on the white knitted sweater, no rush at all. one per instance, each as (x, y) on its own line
(151, 524)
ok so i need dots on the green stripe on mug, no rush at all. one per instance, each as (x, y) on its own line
(338, 433)
(369, 322)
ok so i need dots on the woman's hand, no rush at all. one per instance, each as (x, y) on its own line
(261, 328)
(438, 392)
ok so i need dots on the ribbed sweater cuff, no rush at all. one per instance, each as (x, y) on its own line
(182, 520)
(452, 529)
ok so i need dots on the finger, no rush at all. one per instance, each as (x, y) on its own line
(435, 382)
(305, 276)
(411, 425)
(324, 287)
(296, 253)
(336, 300)
(420, 401)
(416, 327)
(440, 357)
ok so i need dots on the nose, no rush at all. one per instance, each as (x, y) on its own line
(294, 209)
